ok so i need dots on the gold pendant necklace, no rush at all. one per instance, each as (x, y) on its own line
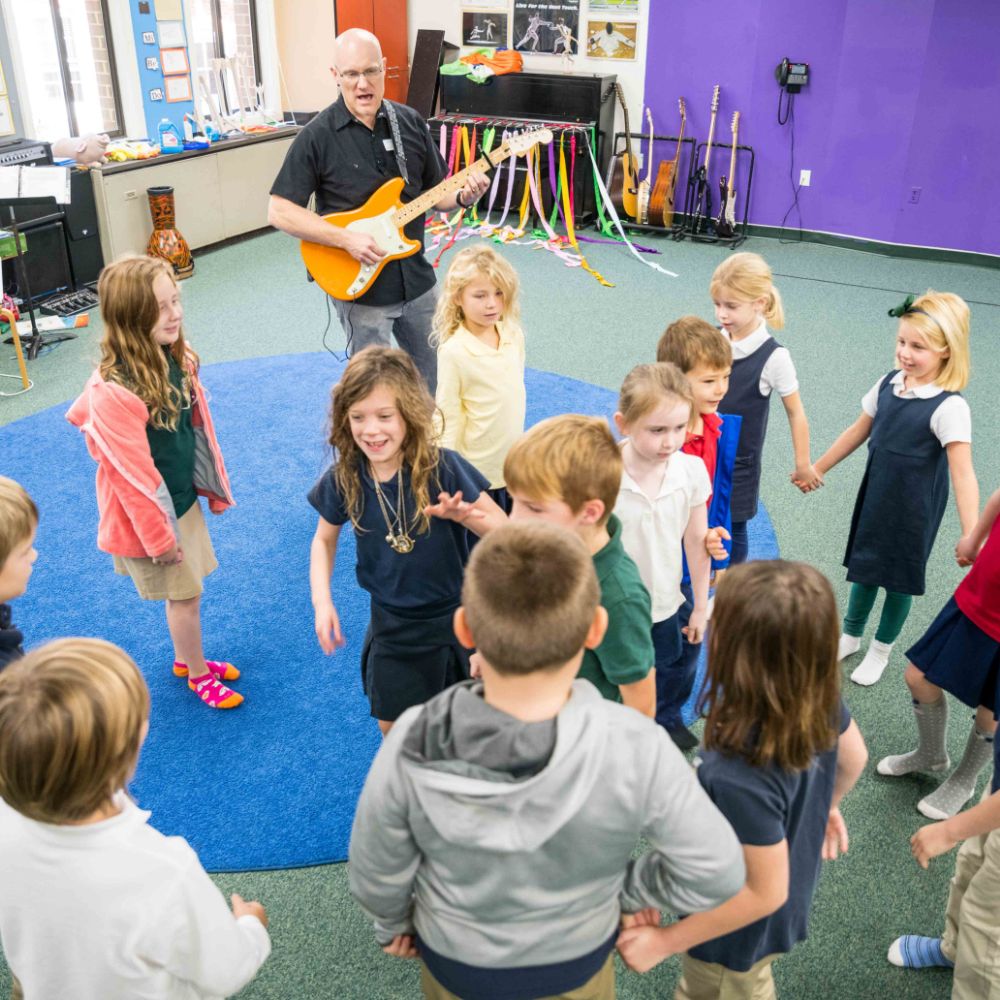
(398, 537)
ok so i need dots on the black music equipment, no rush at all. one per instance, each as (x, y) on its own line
(580, 100)
(430, 53)
(83, 239)
(27, 153)
(70, 303)
(46, 263)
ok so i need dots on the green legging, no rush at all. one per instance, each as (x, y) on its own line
(894, 612)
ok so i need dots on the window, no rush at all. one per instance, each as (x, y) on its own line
(68, 64)
(226, 29)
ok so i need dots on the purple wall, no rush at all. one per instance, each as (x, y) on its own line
(902, 94)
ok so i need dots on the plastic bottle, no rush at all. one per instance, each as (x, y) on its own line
(170, 141)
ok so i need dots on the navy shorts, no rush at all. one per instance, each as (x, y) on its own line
(959, 657)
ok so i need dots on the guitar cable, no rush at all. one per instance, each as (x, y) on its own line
(349, 331)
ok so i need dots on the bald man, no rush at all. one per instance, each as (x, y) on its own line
(342, 156)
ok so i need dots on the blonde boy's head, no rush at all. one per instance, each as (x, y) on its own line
(572, 460)
(73, 714)
(529, 597)
(691, 342)
(18, 517)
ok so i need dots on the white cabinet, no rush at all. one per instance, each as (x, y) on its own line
(218, 193)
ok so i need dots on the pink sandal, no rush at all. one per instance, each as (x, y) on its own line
(214, 693)
(217, 668)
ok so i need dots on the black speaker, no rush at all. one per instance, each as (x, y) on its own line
(430, 52)
(46, 264)
(81, 230)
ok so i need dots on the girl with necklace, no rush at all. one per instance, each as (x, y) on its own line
(411, 553)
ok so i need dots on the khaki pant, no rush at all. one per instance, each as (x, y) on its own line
(972, 925)
(16, 993)
(600, 987)
(709, 981)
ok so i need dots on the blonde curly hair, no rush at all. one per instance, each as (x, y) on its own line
(469, 264)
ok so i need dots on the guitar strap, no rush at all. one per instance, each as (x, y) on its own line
(397, 140)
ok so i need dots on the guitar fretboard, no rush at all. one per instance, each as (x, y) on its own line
(426, 201)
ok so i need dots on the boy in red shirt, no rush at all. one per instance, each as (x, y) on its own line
(704, 356)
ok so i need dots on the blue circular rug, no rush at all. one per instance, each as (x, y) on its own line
(274, 783)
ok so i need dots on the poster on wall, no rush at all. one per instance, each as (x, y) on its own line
(481, 28)
(487, 4)
(612, 39)
(628, 8)
(548, 27)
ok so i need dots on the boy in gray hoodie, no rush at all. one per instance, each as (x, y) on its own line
(495, 832)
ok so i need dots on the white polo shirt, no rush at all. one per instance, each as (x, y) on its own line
(653, 530)
(951, 421)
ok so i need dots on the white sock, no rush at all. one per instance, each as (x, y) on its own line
(875, 661)
(848, 644)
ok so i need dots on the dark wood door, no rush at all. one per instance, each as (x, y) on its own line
(386, 19)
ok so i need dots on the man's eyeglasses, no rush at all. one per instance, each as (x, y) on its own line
(351, 76)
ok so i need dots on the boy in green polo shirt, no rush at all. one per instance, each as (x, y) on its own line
(567, 470)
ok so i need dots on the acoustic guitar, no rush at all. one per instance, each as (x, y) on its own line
(383, 217)
(703, 191)
(642, 195)
(725, 225)
(661, 201)
(623, 177)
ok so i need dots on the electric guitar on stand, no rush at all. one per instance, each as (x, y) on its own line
(383, 217)
(725, 225)
(623, 177)
(661, 201)
(703, 192)
(642, 195)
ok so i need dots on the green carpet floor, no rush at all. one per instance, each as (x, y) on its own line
(250, 299)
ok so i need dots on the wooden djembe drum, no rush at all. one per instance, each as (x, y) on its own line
(165, 241)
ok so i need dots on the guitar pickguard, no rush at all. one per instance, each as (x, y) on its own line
(385, 233)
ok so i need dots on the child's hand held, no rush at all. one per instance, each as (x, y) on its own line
(713, 542)
(694, 631)
(966, 551)
(643, 947)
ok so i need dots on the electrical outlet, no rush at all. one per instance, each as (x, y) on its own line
(805, 178)
(131, 195)
(915, 195)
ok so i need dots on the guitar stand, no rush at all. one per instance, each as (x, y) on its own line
(680, 218)
(702, 230)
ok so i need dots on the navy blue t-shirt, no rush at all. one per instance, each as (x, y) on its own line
(431, 575)
(764, 806)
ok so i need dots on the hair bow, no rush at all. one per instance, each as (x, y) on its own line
(904, 307)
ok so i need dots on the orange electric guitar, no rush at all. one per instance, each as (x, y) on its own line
(383, 217)
(661, 202)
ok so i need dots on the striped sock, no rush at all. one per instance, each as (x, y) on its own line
(913, 951)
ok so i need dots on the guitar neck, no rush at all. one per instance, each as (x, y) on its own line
(426, 201)
(711, 139)
(732, 165)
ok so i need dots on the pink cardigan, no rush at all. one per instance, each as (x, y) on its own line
(137, 516)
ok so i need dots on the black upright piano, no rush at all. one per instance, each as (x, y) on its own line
(564, 102)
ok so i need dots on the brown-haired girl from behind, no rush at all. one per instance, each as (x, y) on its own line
(96, 904)
(780, 752)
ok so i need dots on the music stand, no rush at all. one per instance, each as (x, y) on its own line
(37, 340)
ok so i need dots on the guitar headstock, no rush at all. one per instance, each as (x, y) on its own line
(520, 144)
(735, 127)
(682, 107)
(715, 98)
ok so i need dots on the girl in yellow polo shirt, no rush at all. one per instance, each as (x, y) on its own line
(480, 390)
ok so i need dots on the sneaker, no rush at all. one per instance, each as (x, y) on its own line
(217, 668)
(214, 693)
(683, 738)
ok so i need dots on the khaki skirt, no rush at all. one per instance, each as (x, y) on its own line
(182, 581)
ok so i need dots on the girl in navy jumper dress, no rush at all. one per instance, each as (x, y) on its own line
(411, 552)
(780, 752)
(746, 303)
(960, 654)
(918, 429)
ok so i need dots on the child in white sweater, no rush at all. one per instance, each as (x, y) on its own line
(96, 904)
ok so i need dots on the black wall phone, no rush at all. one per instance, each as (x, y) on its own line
(791, 76)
